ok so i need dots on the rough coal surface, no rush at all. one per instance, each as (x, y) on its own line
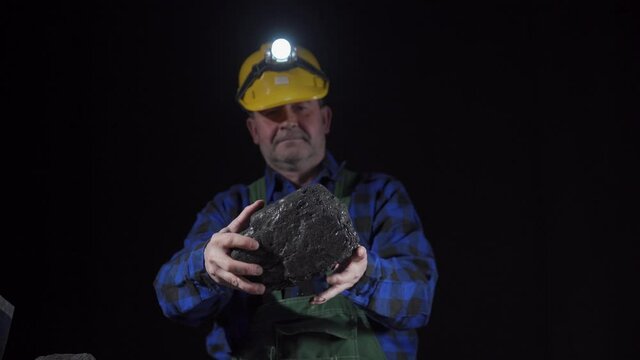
(301, 235)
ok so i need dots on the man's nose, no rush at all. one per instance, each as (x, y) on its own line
(289, 117)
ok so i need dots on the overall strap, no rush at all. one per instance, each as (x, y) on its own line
(258, 190)
(344, 186)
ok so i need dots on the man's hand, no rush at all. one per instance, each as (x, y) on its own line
(221, 267)
(354, 268)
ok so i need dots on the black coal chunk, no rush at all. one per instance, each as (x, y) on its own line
(301, 235)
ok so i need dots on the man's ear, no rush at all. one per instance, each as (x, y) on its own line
(327, 113)
(252, 127)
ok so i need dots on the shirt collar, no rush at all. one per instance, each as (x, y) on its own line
(329, 171)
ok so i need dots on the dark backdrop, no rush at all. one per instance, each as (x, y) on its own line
(513, 126)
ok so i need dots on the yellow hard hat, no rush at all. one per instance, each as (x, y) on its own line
(280, 74)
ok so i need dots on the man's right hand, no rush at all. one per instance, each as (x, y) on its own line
(221, 267)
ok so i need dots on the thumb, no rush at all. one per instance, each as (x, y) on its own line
(361, 253)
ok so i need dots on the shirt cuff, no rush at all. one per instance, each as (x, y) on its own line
(197, 270)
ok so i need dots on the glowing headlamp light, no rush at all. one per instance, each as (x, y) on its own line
(280, 56)
(281, 51)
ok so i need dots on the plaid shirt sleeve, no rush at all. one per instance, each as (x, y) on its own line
(185, 291)
(398, 286)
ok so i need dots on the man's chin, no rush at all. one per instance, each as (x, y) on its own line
(291, 158)
(294, 157)
(293, 150)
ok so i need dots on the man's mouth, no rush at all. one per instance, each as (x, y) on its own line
(290, 138)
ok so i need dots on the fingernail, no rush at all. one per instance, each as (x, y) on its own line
(318, 300)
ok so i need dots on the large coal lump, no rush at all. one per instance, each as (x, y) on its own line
(300, 235)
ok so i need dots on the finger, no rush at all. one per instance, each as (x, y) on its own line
(229, 279)
(333, 269)
(358, 257)
(239, 267)
(349, 277)
(336, 278)
(241, 221)
(219, 254)
(359, 254)
(237, 241)
(250, 287)
(328, 294)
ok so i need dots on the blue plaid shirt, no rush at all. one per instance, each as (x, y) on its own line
(396, 290)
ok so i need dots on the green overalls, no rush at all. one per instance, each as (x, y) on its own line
(293, 328)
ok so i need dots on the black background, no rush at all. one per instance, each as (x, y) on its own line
(512, 125)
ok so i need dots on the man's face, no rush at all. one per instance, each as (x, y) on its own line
(292, 137)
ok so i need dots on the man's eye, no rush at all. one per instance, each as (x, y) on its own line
(270, 113)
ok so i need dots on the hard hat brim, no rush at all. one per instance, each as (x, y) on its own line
(281, 88)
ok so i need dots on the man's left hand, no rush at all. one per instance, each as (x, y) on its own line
(354, 268)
